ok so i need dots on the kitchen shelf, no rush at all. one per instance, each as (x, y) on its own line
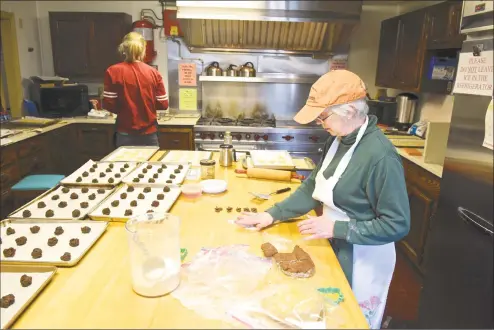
(265, 78)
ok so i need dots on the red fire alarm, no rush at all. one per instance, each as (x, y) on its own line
(171, 23)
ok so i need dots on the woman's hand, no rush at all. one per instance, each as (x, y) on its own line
(257, 220)
(317, 227)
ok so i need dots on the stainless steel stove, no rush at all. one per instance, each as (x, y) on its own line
(261, 134)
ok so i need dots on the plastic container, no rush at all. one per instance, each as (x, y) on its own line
(154, 248)
(192, 190)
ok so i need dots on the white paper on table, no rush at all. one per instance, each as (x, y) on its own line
(474, 75)
(488, 135)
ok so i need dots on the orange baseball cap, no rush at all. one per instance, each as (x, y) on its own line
(333, 88)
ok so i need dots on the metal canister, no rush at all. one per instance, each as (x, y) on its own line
(208, 167)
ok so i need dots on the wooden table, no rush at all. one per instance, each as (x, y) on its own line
(97, 292)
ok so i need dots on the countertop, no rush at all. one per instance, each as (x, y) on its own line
(27, 133)
(435, 169)
(97, 292)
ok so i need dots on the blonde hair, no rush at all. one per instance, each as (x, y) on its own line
(133, 47)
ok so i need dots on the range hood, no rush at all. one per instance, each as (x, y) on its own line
(316, 28)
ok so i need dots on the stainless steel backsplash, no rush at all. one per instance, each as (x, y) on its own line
(281, 99)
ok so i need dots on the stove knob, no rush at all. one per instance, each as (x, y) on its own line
(314, 138)
(287, 137)
(257, 137)
(239, 137)
(247, 136)
(221, 135)
(203, 135)
(265, 137)
(211, 136)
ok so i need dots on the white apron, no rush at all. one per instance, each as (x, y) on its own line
(373, 265)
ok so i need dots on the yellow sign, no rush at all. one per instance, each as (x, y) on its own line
(187, 99)
(174, 30)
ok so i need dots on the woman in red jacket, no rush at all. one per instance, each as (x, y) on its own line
(134, 91)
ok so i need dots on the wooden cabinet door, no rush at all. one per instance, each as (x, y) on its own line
(454, 18)
(70, 43)
(106, 31)
(94, 141)
(175, 139)
(411, 47)
(438, 23)
(421, 210)
(388, 44)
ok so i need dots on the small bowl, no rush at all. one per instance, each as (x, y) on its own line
(192, 190)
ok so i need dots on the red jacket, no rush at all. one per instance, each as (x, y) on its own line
(134, 91)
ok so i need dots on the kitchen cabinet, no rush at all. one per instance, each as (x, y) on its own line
(63, 150)
(94, 141)
(176, 138)
(85, 44)
(405, 39)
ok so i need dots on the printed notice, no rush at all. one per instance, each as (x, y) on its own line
(187, 74)
(474, 75)
(488, 135)
(338, 62)
(187, 99)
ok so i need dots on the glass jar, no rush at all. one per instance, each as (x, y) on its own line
(154, 249)
(207, 169)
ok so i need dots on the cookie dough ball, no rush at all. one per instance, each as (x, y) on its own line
(169, 181)
(55, 197)
(85, 190)
(147, 189)
(126, 165)
(155, 204)
(37, 253)
(172, 176)
(26, 280)
(74, 196)
(95, 181)
(41, 205)
(92, 170)
(26, 214)
(7, 301)
(151, 180)
(229, 209)
(94, 166)
(123, 195)
(269, 250)
(180, 167)
(9, 253)
(10, 231)
(140, 196)
(102, 174)
(108, 170)
(84, 205)
(74, 242)
(34, 229)
(101, 191)
(118, 175)
(79, 179)
(238, 209)
(86, 230)
(135, 180)
(140, 176)
(149, 166)
(160, 170)
(128, 212)
(85, 174)
(76, 213)
(144, 170)
(176, 171)
(115, 203)
(21, 240)
(106, 211)
(92, 197)
(166, 189)
(62, 204)
(49, 213)
(111, 165)
(65, 190)
(130, 189)
(122, 170)
(155, 175)
(66, 257)
(52, 241)
(59, 230)
(163, 166)
(133, 203)
(160, 197)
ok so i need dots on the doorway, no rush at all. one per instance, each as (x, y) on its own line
(10, 77)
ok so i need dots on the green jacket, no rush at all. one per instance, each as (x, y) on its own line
(371, 191)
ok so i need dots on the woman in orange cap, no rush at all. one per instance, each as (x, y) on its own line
(359, 183)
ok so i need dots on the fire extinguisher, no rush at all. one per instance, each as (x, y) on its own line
(145, 27)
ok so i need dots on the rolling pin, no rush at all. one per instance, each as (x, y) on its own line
(262, 173)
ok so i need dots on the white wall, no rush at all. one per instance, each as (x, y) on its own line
(130, 7)
(25, 13)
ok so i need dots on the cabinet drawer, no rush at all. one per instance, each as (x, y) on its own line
(9, 175)
(7, 156)
(30, 146)
(175, 140)
(95, 139)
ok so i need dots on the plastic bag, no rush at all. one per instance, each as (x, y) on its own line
(218, 278)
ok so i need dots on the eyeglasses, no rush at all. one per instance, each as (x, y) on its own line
(321, 121)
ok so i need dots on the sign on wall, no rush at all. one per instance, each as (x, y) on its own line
(474, 75)
(187, 74)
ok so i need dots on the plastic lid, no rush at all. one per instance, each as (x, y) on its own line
(207, 162)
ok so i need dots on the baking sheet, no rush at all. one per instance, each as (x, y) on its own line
(272, 159)
(50, 254)
(131, 154)
(186, 156)
(143, 205)
(66, 212)
(10, 278)
(152, 169)
(108, 169)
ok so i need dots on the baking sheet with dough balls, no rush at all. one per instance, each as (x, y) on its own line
(72, 204)
(131, 155)
(111, 170)
(11, 284)
(47, 231)
(142, 206)
(161, 177)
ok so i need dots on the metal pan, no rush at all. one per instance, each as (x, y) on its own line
(7, 321)
(128, 180)
(75, 260)
(112, 157)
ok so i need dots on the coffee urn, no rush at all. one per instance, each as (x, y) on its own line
(406, 104)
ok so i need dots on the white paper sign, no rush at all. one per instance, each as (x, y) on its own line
(488, 135)
(474, 75)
